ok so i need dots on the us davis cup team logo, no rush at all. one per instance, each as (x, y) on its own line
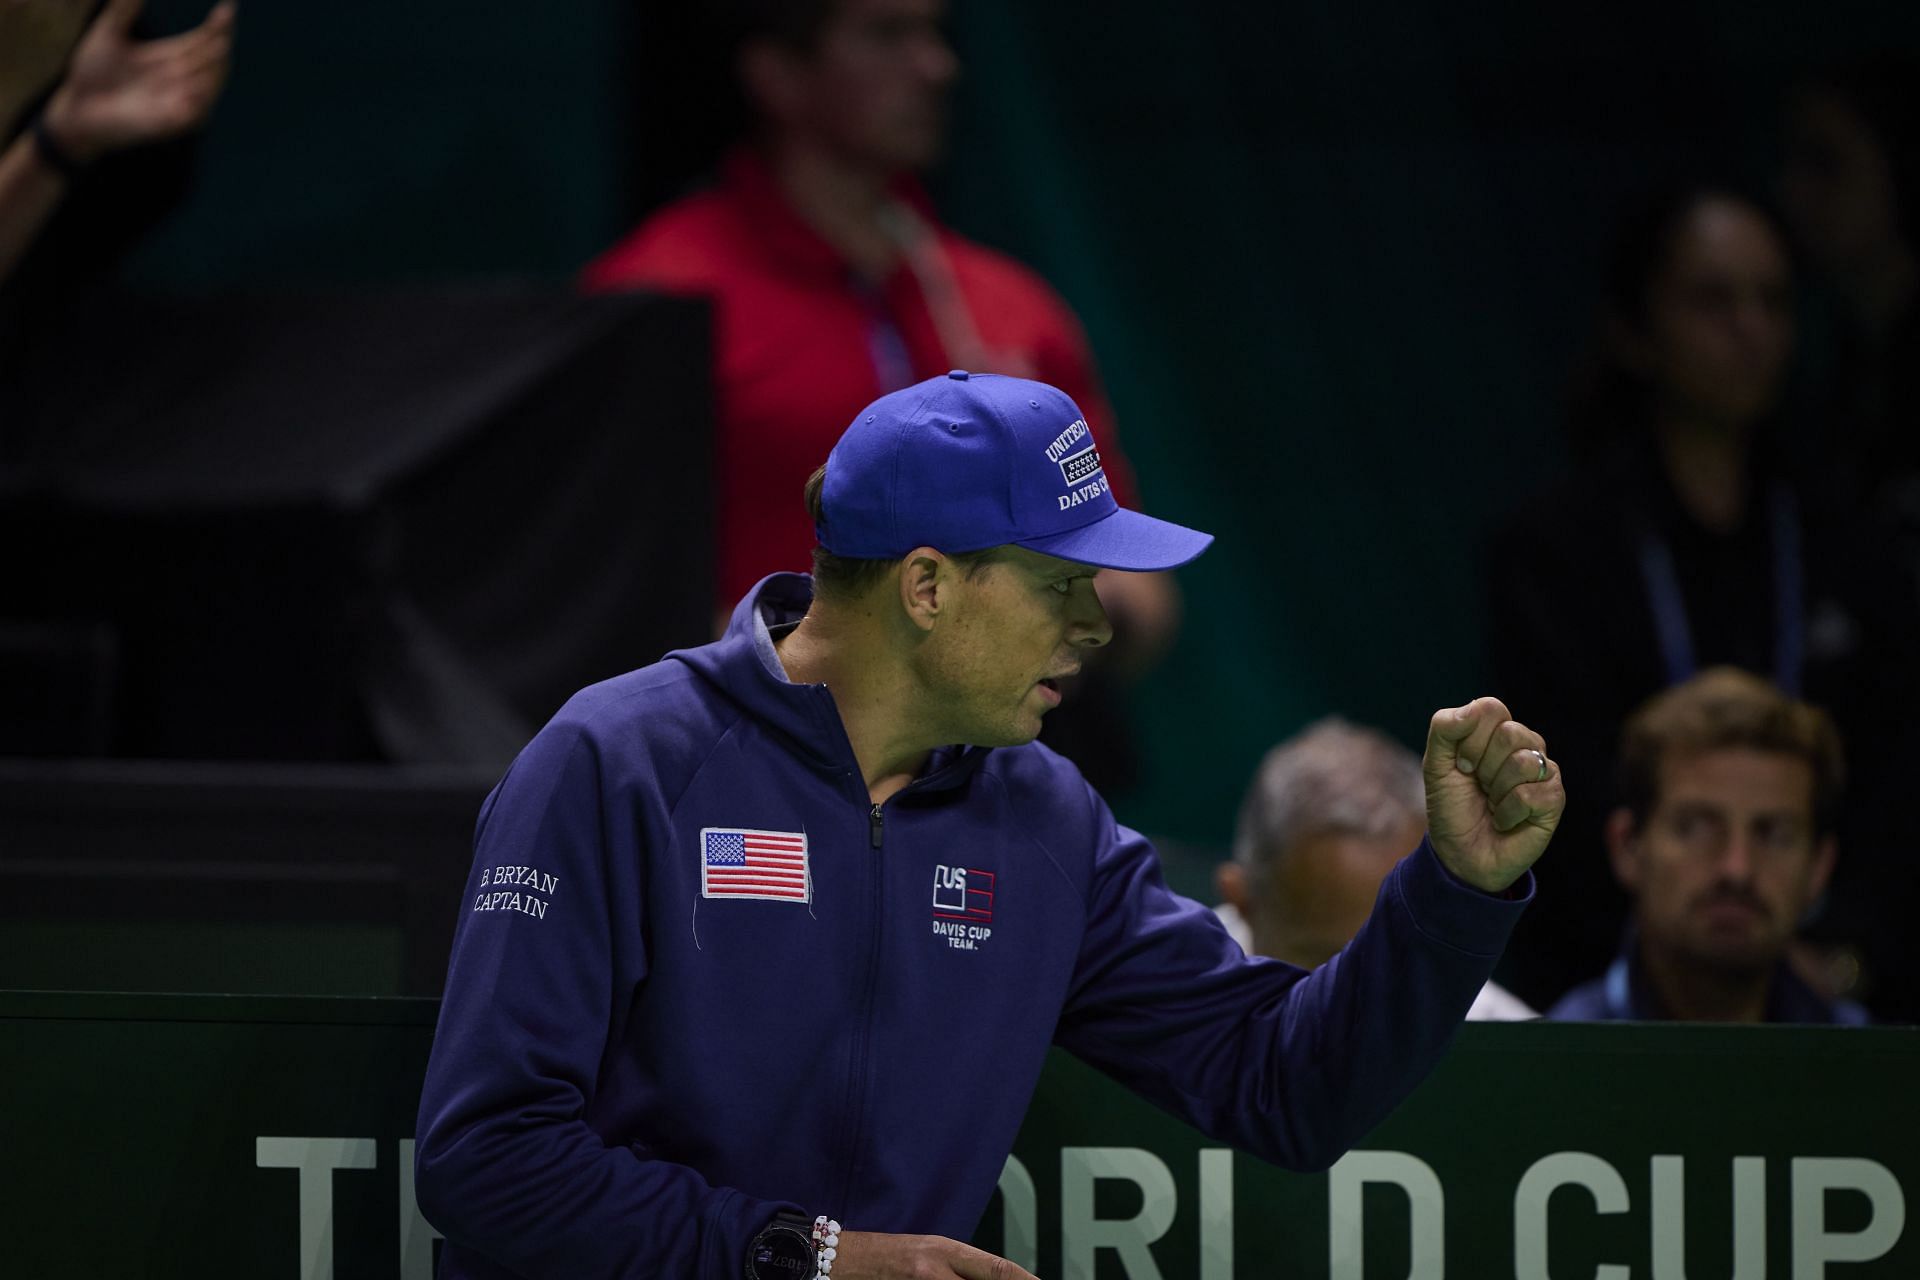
(963, 906)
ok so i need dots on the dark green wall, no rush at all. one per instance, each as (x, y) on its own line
(1336, 260)
(173, 1118)
(430, 139)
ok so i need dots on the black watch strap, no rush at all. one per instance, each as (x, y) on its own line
(51, 153)
(783, 1250)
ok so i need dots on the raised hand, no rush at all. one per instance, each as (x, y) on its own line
(1494, 796)
(122, 92)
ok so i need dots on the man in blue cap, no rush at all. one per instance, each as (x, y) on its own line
(775, 934)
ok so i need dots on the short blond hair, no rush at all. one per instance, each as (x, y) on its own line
(844, 578)
(1725, 708)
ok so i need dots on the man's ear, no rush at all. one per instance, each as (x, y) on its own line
(924, 593)
(1623, 849)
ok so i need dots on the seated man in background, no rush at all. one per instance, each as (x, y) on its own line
(1329, 812)
(1725, 841)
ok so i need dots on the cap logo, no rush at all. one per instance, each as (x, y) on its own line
(1080, 465)
(1077, 467)
(1079, 462)
(1067, 439)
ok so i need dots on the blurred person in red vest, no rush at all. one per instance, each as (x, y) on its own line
(833, 282)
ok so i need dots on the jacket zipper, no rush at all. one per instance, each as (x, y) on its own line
(857, 1085)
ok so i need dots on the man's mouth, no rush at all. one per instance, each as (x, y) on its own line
(1730, 909)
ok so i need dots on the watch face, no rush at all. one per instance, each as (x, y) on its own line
(782, 1253)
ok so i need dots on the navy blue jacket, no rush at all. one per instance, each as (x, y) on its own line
(1623, 994)
(630, 1078)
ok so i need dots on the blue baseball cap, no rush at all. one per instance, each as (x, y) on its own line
(976, 460)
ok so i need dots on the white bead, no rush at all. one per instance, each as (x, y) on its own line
(832, 1253)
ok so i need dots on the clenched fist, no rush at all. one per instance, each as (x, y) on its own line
(1494, 796)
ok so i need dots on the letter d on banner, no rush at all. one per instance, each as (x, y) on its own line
(1347, 1236)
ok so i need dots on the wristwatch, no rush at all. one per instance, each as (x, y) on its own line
(783, 1250)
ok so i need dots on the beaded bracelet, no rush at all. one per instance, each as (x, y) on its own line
(826, 1245)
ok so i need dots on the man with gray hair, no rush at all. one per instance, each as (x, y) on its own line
(1328, 813)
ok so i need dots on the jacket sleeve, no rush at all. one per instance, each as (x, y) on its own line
(1292, 1066)
(507, 1164)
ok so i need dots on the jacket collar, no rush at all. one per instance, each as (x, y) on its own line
(744, 665)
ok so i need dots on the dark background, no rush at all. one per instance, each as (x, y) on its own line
(1337, 260)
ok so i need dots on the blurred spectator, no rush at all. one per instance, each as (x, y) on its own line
(1851, 191)
(1329, 812)
(1725, 839)
(832, 283)
(1684, 540)
(116, 92)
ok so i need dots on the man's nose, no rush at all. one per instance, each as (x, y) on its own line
(1736, 858)
(1088, 626)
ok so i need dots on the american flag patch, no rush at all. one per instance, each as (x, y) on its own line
(1081, 465)
(739, 863)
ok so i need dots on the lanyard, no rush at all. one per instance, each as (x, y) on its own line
(920, 247)
(1619, 992)
(960, 342)
(1789, 625)
(886, 346)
